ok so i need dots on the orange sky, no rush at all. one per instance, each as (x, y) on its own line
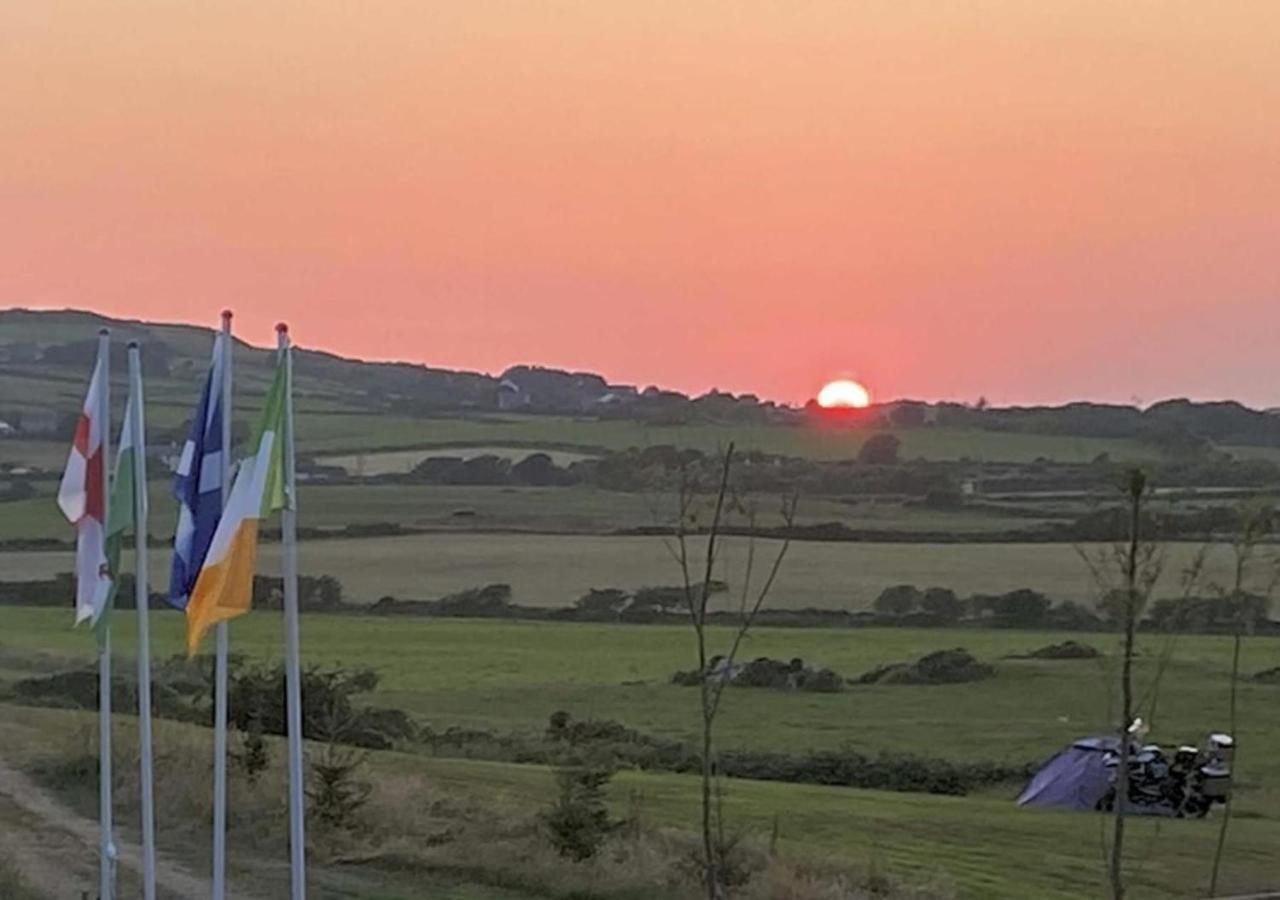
(1028, 200)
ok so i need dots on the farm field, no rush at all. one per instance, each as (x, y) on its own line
(335, 432)
(398, 462)
(555, 570)
(981, 847)
(510, 676)
(576, 510)
(513, 675)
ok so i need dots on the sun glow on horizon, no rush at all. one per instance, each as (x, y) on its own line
(844, 394)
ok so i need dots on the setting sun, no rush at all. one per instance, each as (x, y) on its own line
(844, 394)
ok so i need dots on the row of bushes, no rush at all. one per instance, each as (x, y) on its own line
(606, 742)
(1025, 608)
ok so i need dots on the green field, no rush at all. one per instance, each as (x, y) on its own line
(570, 510)
(511, 676)
(345, 433)
(554, 570)
(399, 462)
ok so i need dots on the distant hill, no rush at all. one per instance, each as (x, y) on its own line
(44, 356)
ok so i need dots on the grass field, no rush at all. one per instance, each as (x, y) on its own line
(554, 570)
(511, 676)
(398, 462)
(514, 675)
(578, 510)
(334, 432)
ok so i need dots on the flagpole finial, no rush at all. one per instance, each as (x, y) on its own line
(226, 315)
(282, 328)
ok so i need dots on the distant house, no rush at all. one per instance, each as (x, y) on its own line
(510, 396)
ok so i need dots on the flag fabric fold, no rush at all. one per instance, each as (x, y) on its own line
(120, 513)
(82, 495)
(224, 584)
(197, 485)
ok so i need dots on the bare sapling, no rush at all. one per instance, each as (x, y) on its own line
(698, 579)
(1256, 523)
(1138, 561)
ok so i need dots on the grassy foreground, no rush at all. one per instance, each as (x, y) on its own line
(981, 847)
(510, 677)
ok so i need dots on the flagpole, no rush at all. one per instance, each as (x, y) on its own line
(293, 686)
(223, 641)
(142, 597)
(106, 846)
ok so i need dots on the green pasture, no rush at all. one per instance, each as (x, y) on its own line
(330, 427)
(335, 433)
(581, 509)
(556, 569)
(511, 676)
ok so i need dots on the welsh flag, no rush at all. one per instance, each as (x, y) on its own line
(81, 498)
(124, 489)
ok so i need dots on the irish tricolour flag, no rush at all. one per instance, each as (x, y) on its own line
(81, 497)
(224, 587)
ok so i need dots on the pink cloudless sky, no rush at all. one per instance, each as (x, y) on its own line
(1031, 201)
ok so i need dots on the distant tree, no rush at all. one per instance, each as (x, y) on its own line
(898, 600)
(539, 470)
(880, 450)
(1020, 607)
(943, 603)
(603, 601)
(908, 415)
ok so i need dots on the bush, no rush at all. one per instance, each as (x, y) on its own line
(578, 823)
(880, 450)
(336, 792)
(942, 603)
(943, 667)
(898, 600)
(764, 672)
(256, 698)
(490, 600)
(1065, 650)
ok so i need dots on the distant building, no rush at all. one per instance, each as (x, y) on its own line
(510, 396)
(6, 429)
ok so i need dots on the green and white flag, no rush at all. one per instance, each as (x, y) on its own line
(124, 495)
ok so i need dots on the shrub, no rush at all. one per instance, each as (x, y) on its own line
(607, 602)
(880, 450)
(335, 790)
(1065, 650)
(490, 600)
(254, 756)
(578, 823)
(943, 603)
(941, 667)
(898, 600)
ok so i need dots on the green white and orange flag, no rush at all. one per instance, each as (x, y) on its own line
(224, 587)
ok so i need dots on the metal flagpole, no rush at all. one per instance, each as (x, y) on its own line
(107, 848)
(219, 886)
(289, 536)
(142, 598)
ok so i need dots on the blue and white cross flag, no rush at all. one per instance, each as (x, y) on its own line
(197, 485)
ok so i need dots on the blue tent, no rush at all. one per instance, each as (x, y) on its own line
(1075, 778)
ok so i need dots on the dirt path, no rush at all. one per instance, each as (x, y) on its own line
(57, 850)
